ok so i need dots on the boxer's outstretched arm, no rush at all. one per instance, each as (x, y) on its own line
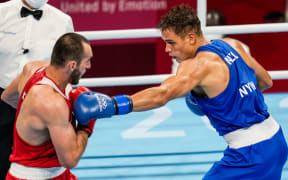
(189, 75)
(94, 105)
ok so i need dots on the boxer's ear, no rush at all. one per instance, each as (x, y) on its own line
(72, 65)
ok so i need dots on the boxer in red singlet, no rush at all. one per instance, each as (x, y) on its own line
(46, 145)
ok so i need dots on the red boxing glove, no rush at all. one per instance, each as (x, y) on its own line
(74, 93)
(87, 128)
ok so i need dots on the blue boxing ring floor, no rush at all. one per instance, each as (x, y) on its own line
(168, 143)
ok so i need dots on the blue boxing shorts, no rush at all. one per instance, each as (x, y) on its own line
(261, 161)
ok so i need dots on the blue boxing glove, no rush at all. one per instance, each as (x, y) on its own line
(94, 105)
(192, 104)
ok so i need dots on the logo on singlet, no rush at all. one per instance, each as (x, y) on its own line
(230, 58)
(247, 88)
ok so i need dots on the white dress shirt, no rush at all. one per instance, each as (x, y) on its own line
(38, 36)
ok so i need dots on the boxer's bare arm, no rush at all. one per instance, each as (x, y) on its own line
(13, 91)
(52, 109)
(189, 75)
(264, 80)
(11, 95)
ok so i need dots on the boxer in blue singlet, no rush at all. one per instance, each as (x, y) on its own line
(257, 148)
(221, 80)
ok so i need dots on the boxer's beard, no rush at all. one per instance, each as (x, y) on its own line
(75, 76)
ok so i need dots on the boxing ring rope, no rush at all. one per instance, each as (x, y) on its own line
(147, 79)
(155, 33)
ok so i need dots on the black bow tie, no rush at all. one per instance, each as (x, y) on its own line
(36, 14)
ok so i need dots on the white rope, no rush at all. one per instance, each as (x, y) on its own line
(121, 34)
(248, 28)
(123, 81)
(278, 75)
(155, 33)
(147, 80)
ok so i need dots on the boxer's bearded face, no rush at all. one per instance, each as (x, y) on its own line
(84, 64)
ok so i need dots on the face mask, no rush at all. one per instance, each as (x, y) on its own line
(36, 3)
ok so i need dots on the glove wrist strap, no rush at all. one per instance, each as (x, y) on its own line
(123, 104)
